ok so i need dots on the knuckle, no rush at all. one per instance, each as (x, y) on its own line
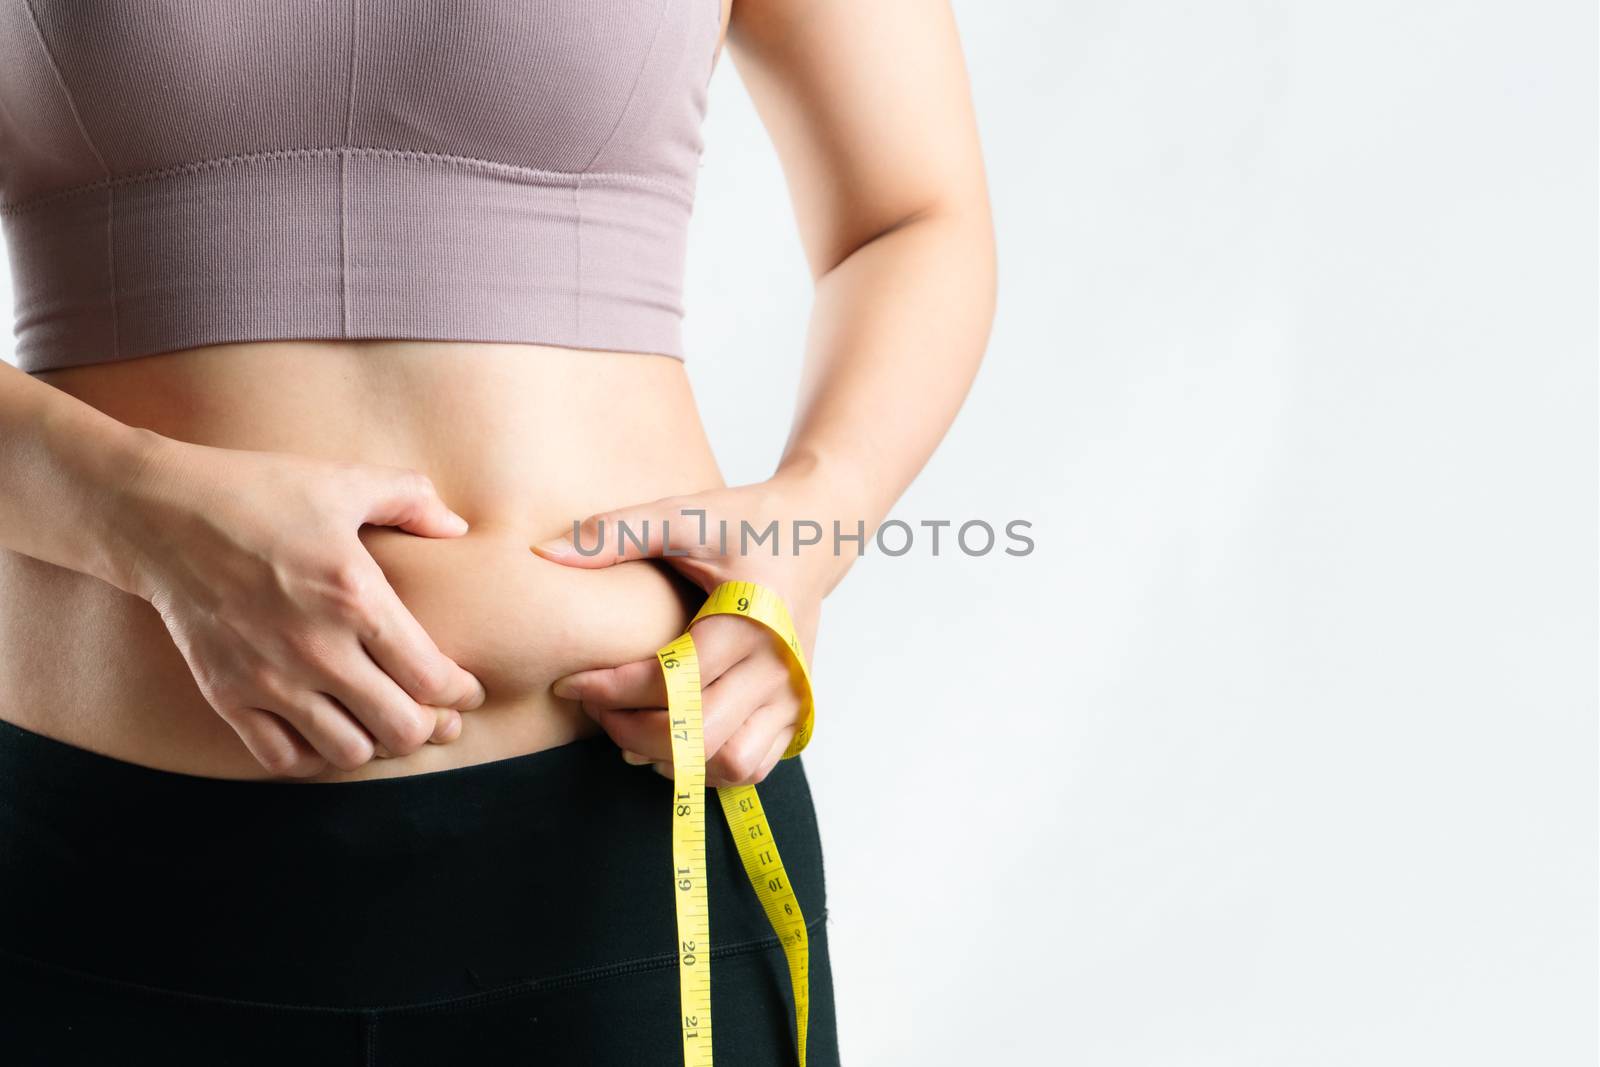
(429, 679)
(411, 731)
(365, 621)
(601, 686)
(337, 675)
(597, 531)
(281, 758)
(347, 577)
(351, 753)
(418, 483)
(739, 762)
(352, 605)
(309, 647)
(274, 756)
(260, 678)
(226, 694)
(304, 766)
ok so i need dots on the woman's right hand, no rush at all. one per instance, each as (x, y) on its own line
(291, 629)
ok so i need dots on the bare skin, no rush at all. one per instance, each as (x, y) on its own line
(525, 438)
(240, 561)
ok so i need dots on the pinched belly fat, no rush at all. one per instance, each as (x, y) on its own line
(89, 665)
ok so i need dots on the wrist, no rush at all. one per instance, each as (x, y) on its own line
(815, 498)
(128, 486)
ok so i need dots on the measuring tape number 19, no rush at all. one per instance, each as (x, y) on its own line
(752, 835)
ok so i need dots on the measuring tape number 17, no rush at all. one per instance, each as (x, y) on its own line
(752, 835)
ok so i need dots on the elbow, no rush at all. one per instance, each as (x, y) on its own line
(977, 253)
(969, 219)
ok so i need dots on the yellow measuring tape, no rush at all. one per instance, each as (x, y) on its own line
(751, 834)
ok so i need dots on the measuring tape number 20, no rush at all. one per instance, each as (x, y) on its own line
(752, 835)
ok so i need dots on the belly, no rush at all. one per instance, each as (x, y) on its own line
(520, 440)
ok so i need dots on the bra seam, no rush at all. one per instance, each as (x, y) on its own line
(111, 270)
(344, 168)
(577, 257)
(111, 196)
(535, 175)
(633, 90)
(61, 82)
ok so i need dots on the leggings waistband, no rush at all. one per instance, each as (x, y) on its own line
(377, 893)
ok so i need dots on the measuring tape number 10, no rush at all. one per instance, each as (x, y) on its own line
(752, 835)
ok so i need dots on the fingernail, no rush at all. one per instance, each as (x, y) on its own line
(457, 523)
(635, 759)
(452, 727)
(557, 547)
(565, 689)
(664, 770)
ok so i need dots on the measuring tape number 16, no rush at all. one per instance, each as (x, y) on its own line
(752, 835)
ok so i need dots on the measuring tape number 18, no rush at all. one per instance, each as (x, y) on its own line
(752, 835)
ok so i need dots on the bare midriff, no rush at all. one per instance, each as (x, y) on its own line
(519, 439)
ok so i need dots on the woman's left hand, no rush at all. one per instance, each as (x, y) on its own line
(750, 707)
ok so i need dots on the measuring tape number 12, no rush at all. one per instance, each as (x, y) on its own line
(680, 666)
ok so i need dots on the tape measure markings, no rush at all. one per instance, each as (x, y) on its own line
(680, 667)
(741, 806)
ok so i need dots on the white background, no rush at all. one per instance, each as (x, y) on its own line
(1280, 748)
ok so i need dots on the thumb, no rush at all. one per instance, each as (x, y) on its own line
(661, 529)
(407, 499)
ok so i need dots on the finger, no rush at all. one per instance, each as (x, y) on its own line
(739, 760)
(274, 744)
(330, 729)
(779, 747)
(728, 703)
(665, 769)
(643, 731)
(725, 708)
(641, 684)
(722, 641)
(447, 729)
(447, 726)
(397, 496)
(397, 642)
(396, 722)
(660, 528)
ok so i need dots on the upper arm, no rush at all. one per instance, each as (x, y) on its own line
(869, 109)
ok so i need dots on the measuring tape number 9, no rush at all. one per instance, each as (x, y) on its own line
(752, 835)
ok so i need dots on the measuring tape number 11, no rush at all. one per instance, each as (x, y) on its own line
(752, 835)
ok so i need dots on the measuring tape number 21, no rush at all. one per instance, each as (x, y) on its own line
(680, 666)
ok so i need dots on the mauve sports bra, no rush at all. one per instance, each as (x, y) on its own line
(176, 173)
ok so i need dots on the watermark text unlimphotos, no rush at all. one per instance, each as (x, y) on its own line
(893, 537)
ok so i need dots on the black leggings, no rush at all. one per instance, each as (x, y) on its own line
(515, 912)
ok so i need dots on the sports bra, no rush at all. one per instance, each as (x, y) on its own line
(176, 173)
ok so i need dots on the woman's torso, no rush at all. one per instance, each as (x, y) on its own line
(519, 439)
(175, 175)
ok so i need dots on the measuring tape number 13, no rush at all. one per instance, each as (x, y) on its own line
(752, 835)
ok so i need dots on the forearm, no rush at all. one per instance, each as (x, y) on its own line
(896, 334)
(64, 467)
